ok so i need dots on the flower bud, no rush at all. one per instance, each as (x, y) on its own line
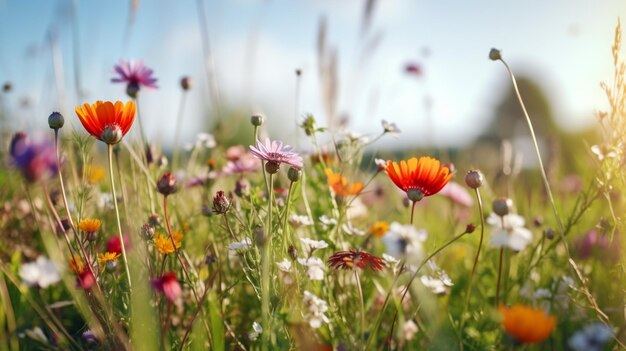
(242, 187)
(474, 179)
(221, 203)
(256, 120)
(470, 228)
(494, 54)
(549, 233)
(56, 120)
(209, 259)
(293, 252)
(110, 265)
(185, 83)
(502, 206)
(148, 231)
(294, 174)
(166, 185)
(112, 134)
(92, 236)
(154, 220)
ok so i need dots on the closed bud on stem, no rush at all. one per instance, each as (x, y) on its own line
(502, 206)
(56, 120)
(294, 174)
(415, 195)
(256, 120)
(470, 228)
(185, 83)
(221, 203)
(549, 233)
(166, 185)
(148, 231)
(474, 179)
(494, 54)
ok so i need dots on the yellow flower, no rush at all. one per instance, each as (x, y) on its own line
(379, 228)
(526, 324)
(107, 257)
(95, 174)
(89, 225)
(163, 243)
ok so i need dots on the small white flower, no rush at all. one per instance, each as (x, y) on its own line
(434, 284)
(592, 337)
(105, 201)
(314, 310)
(315, 267)
(409, 329)
(284, 265)
(350, 230)
(509, 232)
(242, 245)
(312, 245)
(41, 273)
(404, 241)
(327, 222)
(390, 127)
(357, 209)
(206, 140)
(256, 331)
(36, 334)
(603, 151)
(298, 221)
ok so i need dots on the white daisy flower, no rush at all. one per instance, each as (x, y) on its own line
(314, 310)
(41, 273)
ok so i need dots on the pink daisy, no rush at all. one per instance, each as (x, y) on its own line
(275, 152)
(244, 164)
(134, 73)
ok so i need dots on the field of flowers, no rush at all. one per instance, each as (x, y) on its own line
(261, 246)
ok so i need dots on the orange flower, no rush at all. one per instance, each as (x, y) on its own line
(107, 121)
(163, 243)
(419, 177)
(95, 174)
(340, 185)
(526, 324)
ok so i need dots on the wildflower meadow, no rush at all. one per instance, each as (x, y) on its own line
(264, 232)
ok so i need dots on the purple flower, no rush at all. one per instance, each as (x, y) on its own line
(244, 164)
(275, 152)
(134, 73)
(34, 156)
(593, 243)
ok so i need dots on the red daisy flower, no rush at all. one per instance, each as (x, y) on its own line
(106, 121)
(419, 177)
(355, 258)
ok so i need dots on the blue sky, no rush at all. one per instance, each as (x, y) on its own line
(563, 43)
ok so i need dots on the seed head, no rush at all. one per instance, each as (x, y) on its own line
(56, 120)
(502, 206)
(494, 54)
(474, 179)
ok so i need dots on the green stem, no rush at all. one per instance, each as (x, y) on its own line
(499, 277)
(286, 217)
(480, 244)
(117, 216)
(265, 268)
(362, 305)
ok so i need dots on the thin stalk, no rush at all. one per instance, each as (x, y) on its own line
(66, 205)
(544, 177)
(413, 211)
(265, 268)
(499, 277)
(285, 217)
(179, 122)
(117, 216)
(256, 138)
(480, 244)
(362, 306)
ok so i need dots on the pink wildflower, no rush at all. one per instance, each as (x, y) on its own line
(134, 73)
(275, 152)
(168, 285)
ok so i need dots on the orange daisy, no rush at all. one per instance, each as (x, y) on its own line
(526, 324)
(106, 121)
(340, 185)
(419, 177)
